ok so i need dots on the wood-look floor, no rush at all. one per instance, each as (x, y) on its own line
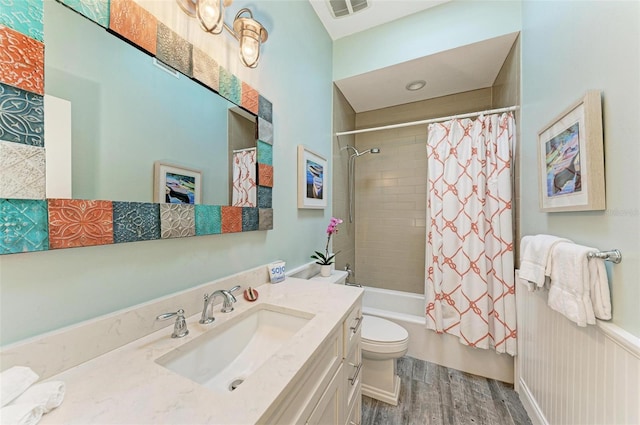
(435, 395)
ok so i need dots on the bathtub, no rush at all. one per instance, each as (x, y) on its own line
(407, 310)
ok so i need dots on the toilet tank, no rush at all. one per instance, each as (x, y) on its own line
(337, 276)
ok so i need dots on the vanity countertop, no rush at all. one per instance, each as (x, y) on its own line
(127, 386)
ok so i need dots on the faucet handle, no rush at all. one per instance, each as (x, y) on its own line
(180, 328)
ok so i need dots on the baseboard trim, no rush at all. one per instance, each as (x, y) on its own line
(530, 404)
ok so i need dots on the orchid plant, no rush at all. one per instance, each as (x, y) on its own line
(326, 259)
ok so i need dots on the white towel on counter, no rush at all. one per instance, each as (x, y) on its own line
(49, 395)
(21, 414)
(14, 381)
(535, 258)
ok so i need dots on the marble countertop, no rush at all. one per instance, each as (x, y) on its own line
(127, 386)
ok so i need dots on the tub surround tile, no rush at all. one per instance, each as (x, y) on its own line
(250, 219)
(174, 50)
(265, 175)
(265, 131)
(231, 219)
(177, 221)
(96, 10)
(265, 153)
(265, 220)
(24, 16)
(22, 171)
(21, 116)
(264, 197)
(250, 98)
(134, 23)
(206, 69)
(135, 221)
(265, 109)
(208, 220)
(21, 61)
(24, 225)
(77, 222)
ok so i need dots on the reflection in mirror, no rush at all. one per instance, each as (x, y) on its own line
(128, 113)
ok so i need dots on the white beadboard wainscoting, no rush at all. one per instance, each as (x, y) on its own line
(566, 374)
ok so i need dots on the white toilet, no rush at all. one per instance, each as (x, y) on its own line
(383, 341)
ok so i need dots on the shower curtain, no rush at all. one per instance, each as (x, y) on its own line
(244, 178)
(469, 286)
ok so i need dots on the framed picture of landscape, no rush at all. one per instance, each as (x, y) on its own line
(571, 158)
(174, 184)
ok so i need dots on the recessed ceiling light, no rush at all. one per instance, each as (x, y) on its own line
(416, 85)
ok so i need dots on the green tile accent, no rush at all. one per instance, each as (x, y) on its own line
(230, 86)
(250, 218)
(24, 16)
(24, 226)
(96, 10)
(264, 197)
(265, 153)
(208, 220)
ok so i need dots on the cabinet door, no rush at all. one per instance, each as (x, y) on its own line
(355, 416)
(328, 411)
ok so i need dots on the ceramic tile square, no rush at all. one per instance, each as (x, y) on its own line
(24, 16)
(231, 219)
(22, 171)
(265, 219)
(134, 23)
(21, 116)
(206, 69)
(230, 86)
(135, 221)
(25, 226)
(208, 220)
(250, 98)
(96, 10)
(250, 217)
(77, 222)
(265, 175)
(21, 61)
(264, 197)
(265, 153)
(265, 109)
(177, 221)
(265, 131)
(174, 50)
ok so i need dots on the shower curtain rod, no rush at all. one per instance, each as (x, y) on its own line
(429, 121)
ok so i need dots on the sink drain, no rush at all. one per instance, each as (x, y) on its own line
(235, 384)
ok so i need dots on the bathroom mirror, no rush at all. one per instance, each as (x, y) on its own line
(130, 110)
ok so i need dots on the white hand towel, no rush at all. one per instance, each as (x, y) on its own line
(569, 286)
(21, 414)
(535, 255)
(599, 289)
(49, 395)
(14, 381)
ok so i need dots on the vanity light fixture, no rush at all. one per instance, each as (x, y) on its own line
(249, 32)
(416, 85)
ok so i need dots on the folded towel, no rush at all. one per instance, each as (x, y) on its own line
(21, 414)
(599, 289)
(14, 381)
(49, 395)
(535, 258)
(570, 282)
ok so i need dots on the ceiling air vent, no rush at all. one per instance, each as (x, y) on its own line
(340, 8)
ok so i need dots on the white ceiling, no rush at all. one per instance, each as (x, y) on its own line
(458, 70)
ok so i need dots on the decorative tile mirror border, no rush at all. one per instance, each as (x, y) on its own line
(28, 221)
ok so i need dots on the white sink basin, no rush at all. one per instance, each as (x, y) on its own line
(222, 358)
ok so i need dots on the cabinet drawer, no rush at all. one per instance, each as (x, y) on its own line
(352, 372)
(355, 414)
(328, 409)
(352, 327)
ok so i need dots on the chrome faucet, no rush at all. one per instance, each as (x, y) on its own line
(227, 303)
(180, 327)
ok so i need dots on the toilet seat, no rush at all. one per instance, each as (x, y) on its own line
(383, 336)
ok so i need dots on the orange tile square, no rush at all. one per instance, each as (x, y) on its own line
(250, 98)
(76, 222)
(265, 175)
(21, 61)
(134, 23)
(231, 219)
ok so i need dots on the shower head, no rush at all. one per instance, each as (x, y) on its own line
(374, 150)
(357, 154)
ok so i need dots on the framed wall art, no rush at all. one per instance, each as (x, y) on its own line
(312, 179)
(173, 184)
(571, 158)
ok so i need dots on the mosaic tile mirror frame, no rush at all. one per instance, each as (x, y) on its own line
(30, 222)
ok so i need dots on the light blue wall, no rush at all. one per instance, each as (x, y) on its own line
(434, 30)
(44, 291)
(569, 47)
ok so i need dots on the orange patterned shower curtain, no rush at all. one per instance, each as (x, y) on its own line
(469, 255)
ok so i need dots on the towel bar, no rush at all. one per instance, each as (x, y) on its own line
(615, 256)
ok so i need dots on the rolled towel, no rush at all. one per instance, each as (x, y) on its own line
(21, 414)
(49, 395)
(14, 381)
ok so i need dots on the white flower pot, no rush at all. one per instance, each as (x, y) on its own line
(325, 271)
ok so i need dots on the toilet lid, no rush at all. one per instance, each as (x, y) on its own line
(381, 330)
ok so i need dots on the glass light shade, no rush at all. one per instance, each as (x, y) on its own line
(251, 35)
(210, 14)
